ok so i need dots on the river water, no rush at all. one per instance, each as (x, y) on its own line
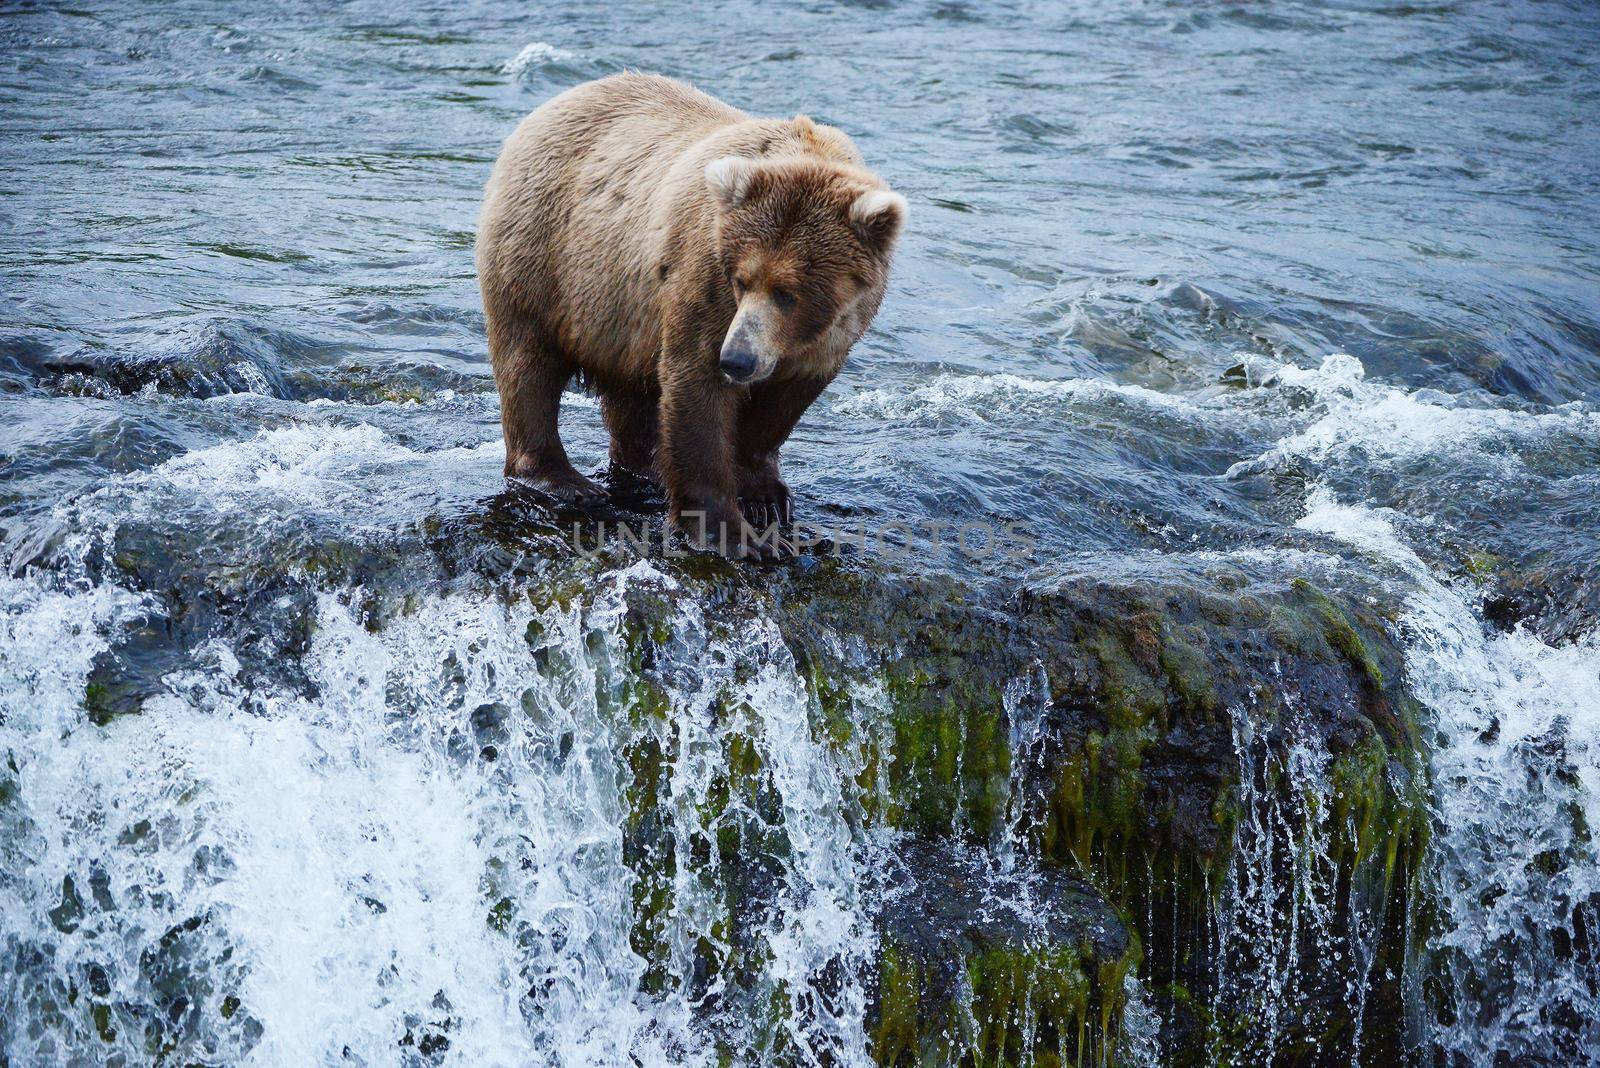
(1286, 283)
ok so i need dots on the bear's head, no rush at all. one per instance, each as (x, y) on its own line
(804, 245)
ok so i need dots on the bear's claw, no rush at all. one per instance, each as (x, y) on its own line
(765, 498)
(764, 512)
(734, 537)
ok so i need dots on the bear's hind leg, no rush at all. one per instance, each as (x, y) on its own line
(530, 378)
(632, 419)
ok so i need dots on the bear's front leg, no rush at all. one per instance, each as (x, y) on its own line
(763, 494)
(696, 459)
(767, 418)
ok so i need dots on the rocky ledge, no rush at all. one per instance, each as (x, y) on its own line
(1197, 772)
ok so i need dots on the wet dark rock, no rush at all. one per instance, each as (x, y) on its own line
(384, 381)
(67, 915)
(1558, 603)
(201, 359)
(999, 965)
(1110, 705)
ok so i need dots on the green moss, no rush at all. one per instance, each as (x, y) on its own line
(899, 1035)
(1010, 1005)
(1132, 694)
(1481, 564)
(646, 849)
(949, 759)
(1380, 829)
(1188, 672)
(100, 1012)
(1339, 632)
(107, 694)
(852, 733)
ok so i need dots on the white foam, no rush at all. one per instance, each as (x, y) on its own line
(535, 54)
(1386, 424)
(984, 397)
(306, 464)
(321, 468)
(352, 854)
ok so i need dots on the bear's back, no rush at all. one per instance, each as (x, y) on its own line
(579, 204)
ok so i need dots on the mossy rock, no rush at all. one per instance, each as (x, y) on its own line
(986, 966)
(1095, 719)
(1097, 722)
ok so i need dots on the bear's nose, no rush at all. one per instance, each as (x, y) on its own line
(738, 363)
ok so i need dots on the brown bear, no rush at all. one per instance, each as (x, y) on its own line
(702, 271)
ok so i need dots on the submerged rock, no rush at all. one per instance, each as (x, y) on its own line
(202, 359)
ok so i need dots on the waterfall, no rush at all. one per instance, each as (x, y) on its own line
(438, 831)
(1516, 781)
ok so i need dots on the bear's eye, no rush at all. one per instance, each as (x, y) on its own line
(784, 299)
(739, 285)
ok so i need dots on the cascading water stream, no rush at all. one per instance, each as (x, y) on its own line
(1513, 968)
(1516, 781)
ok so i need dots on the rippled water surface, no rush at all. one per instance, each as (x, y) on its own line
(1211, 279)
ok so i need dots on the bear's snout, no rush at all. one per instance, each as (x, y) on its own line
(738, 364)
(747, 351)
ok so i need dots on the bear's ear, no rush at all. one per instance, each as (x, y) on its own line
(730, 178)
(878, 215)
